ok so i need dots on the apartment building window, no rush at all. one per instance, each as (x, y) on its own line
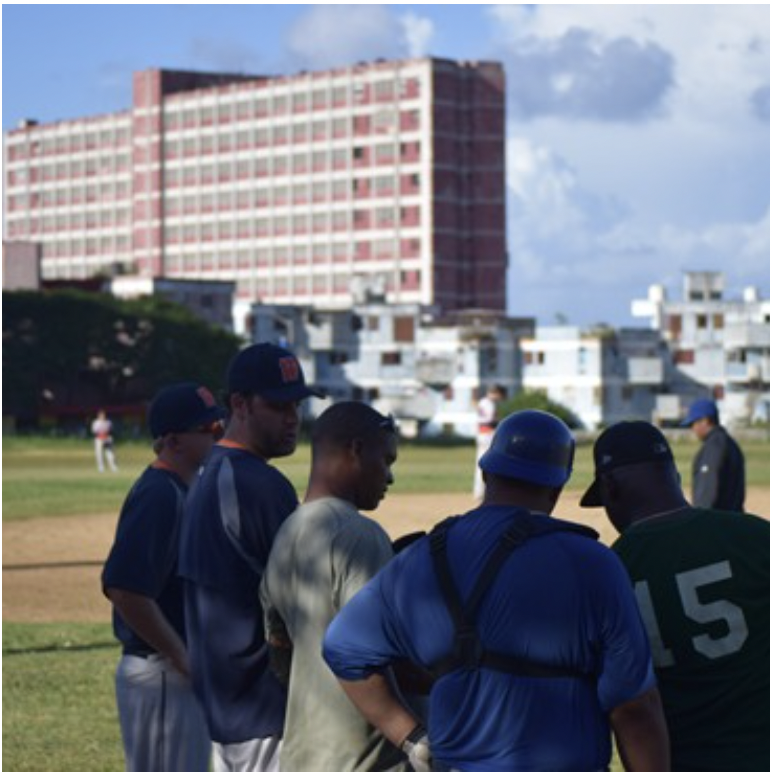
(384, 217)
(339, 96)
(279, 105)
(339, 159)
(385, 153)
(280, 164)
(299, 163)
(319, 161)
(684, 357)
(383, 248)
(318, 99)
(300, 132)
(383, 185)
(390, 358)
(281, 195)
(718, 321)
(280, 135)
(384, 89)
(319, 130)
(533, 357)
(339, 221)
(404, 329)
(702, 321)
(300, 102)
(319, 191)
(300, 223)
(339, 127)
(339, 190)
(384, 120)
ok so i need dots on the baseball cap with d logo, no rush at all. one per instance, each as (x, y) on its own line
(181, 407)
(271, 372)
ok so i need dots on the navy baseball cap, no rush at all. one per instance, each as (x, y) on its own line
(181, 407)
(624, 444)
(271, 372)
(702, 408)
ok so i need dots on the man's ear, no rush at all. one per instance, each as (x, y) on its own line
(356, 448)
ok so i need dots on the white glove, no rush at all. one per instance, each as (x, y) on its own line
(416, 747)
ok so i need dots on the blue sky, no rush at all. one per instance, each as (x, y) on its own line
(638, 135)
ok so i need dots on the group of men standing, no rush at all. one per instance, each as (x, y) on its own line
(297, 635)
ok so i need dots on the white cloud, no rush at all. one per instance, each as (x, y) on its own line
(339, 35)
(602, 203)
(418, 32)
(223, 55)
(715, 47)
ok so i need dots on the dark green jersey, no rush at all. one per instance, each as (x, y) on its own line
(702, 583)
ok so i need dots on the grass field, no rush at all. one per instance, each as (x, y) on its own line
(46, 477)
(58, 704)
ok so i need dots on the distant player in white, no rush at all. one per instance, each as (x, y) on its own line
(102, 429)
(487, 420)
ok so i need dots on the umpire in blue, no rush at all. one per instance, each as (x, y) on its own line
(718, 468)
(528, 625)
(162, 725)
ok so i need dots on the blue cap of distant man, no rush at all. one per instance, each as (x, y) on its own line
(181, 407)
(702, 408)
(270, 371)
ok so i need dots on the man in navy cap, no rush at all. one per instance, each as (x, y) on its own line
(232, 515)
(161, 722)
(718, 470)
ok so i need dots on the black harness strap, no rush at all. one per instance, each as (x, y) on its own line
(468, 652)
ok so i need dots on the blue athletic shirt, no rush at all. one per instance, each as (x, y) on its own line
(232, 514)
(560, 599)
(143, 558)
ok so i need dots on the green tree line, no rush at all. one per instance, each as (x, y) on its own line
(68, 349)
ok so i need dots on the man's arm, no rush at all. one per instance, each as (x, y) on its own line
(146, 619)
(641, 734)
(706, 483)
(377, 702)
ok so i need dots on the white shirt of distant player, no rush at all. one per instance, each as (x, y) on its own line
(486, 411)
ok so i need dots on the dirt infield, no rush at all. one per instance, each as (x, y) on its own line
(51, 566)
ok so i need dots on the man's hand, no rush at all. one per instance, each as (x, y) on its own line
(416, 747)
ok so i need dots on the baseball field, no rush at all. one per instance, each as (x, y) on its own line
(59, 517)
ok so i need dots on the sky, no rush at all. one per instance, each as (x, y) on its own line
(638, 141)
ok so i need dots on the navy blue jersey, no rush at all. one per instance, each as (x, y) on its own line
(143, 558)
(233, 512)
(560, 599)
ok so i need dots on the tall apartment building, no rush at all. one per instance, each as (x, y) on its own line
(385, 175)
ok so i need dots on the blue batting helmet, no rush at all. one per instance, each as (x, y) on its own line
(532, 446)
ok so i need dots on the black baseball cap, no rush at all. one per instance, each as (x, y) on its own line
(271, 372)
(624, 444)
(181, 407)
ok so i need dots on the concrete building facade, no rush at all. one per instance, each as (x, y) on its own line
(719, 346)
(386, 175)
